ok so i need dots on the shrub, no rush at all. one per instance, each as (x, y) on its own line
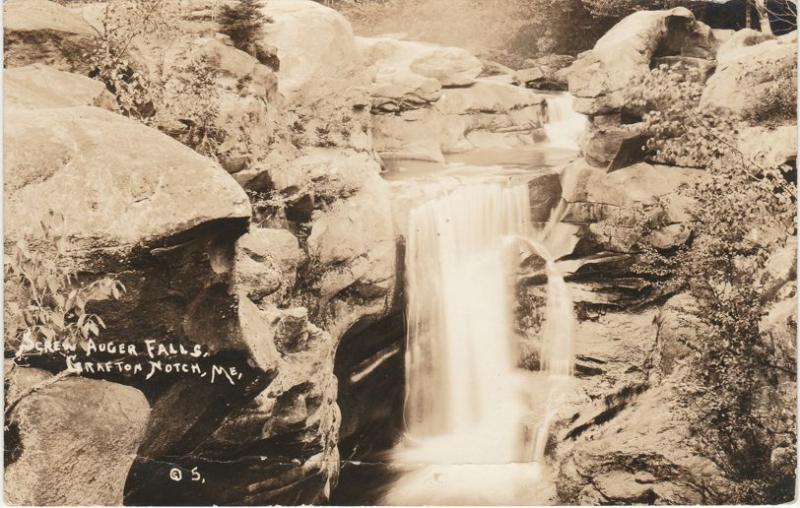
(244, 24)
(742, 212)
(122, 25)
(46, 300)
(191, 98)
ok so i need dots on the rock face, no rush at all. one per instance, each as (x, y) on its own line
(115, 194)
(45, 32)
(545, 73)
(599, 78)
(72, 441)
(756, 82)
(329, 53)
(602, 201)
(39, 86)
(247, 100)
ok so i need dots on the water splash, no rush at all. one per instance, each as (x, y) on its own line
(564, 127)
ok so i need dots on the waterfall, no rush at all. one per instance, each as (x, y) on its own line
(557, 353)
(564, 126)
(460, 353)
(465, 408)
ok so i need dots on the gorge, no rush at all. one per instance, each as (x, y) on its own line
(393, 272)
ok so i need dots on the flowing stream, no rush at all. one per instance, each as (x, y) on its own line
(472, 437)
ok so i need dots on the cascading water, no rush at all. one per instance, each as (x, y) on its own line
(460, 350)
(564, 126)
(465, 407)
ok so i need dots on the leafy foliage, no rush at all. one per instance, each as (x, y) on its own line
(742, 212)
(244, 24)
(47, 299)
(122, 24)
(193, 100)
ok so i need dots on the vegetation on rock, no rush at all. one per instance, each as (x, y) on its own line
(742, 212)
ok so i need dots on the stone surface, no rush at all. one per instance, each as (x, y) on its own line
(73, 441)
(248, 103)
(413, 135)
(40, 31)
(118, 184)
(352, 248)
(266, 264)
(769, 147)
(756, 82)
(39, 86)
(410, 75)
(644, 454)
(305, 59)
(599, 77)
(545, 73)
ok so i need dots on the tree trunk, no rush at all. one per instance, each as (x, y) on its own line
(763, 15)
(748, 20)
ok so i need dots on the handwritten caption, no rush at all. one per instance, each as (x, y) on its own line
(148, 359)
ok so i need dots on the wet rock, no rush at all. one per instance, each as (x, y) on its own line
(545, 73)
(73, 440)
(40, 31)
(756, 82)
(40, 86)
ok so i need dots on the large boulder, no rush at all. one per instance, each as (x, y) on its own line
(600, 76)
(411, 135)
(306, 60)
(276, 445)
(644, 454)
(757, 82)
(69, 441)
(118, 184)
(487, 114)
(409, 74)
(353, 259)
(40, 31)
(247, 99)
(608, 203)
(40, 86)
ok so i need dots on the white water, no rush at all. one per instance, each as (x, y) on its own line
(465, 406)
(460, 350)
(564, 127)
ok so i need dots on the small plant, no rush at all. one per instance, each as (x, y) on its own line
(192, 98)
(122, 25)
(244, 24)
(48, 300)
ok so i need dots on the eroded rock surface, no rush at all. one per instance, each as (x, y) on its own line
(72, 440)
